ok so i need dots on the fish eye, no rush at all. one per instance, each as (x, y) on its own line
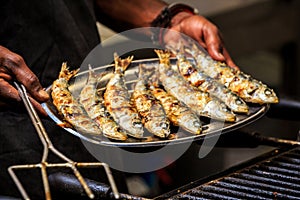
(197, 124)
(238, 102)
(268, 92)
(164, 125)
(225, 109)
(137, 124)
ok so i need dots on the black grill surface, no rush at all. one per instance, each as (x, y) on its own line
(274, 178)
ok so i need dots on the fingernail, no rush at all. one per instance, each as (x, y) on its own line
(43, 94)
(221, 55)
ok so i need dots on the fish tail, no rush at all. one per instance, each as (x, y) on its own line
(66, 73)
(121, 64)
(164, 56)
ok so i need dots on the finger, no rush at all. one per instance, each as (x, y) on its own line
(11, 94)
(15, 64)
(4, 73)
(229, 60)
(5, 76)
(215, 50)
(202, 43)
(25, 76)
(214, 42)
(38, 107)
(7, 91)
(215, 47)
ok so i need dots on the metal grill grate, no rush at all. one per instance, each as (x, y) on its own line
(276, 178)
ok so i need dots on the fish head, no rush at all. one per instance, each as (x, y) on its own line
(264, 94)
(219, 111)
(161, 129)
(238, 105)
(190, 123)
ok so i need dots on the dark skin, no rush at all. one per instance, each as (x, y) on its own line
(138, 14)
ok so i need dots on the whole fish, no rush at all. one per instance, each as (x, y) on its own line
(178, 113)
(68, 106)
(118, 101)
(93, 104)
(153, 115)
(200, 102)
(207, 84)
(246, 87)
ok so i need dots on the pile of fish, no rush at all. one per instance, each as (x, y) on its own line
(163, 96)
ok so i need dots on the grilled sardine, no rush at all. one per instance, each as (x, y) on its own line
(93, 103)
(207, 84)
(118, 102)
(249, 89)
(153, 115)
(200, 102)
(68, 106)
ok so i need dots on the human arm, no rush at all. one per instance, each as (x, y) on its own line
(141, 13)
(13, 67)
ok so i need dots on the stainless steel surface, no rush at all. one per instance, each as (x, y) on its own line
(211, 127)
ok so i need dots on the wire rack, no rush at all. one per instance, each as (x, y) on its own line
(48, 147)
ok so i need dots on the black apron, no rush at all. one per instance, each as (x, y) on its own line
(45, 33)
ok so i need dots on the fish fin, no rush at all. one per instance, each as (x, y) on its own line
(121, 64)
(66, 73)
(163, 55)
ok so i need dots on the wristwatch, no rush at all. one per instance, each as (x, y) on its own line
(163, 20)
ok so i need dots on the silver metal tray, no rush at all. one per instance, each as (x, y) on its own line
(211, 127)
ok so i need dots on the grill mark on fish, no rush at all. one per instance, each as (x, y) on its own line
(153, 115)
(207, 84)
(71, 110)
(93, 103)
(246, 87)
(200, 102)
(118, 102)
(179, 114)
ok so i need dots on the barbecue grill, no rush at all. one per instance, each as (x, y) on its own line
(271, 175)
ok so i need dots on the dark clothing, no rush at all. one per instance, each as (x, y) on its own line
(49, 32)
(45, 33)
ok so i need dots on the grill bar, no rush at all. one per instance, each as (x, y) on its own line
(261, 172)
(266, 187)
(212, 194)
(269, 181)
(274, 178)
(290, 160)
(228, 192)
(286, 165)
(189, 197)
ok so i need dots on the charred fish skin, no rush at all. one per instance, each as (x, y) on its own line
(249, 89)
(178, 87)
(178, 113)
(68, 106)
(207, 84)
(153, 115)
(94, 106)
(118, 101)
